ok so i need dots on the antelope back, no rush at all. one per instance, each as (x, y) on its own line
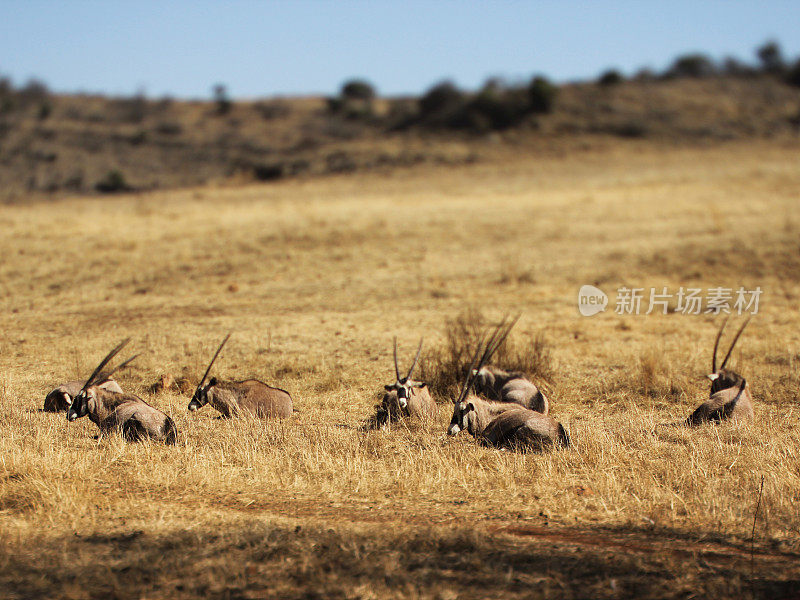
(137, 420)
(523, 429)
(251, 396)
(526, 394)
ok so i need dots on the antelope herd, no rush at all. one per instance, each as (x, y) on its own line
(500, 409)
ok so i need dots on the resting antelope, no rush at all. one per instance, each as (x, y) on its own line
(239, 398)
(116, 411)
(502, 424)
(60, 398)
(504, 386)
(405, 397)
(730, 395)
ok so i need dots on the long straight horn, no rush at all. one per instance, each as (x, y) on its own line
(487, 352)
(416, 358)
(104, 362)
(499, 342)
(469, 376)
(396, 368)
(716, 345)
(106, 375)
(211, 364)
(735, 339)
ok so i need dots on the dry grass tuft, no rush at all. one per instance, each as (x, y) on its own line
(444, 367)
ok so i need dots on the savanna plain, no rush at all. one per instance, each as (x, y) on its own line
(314, 277)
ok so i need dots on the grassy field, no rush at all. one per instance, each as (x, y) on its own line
(314, 278)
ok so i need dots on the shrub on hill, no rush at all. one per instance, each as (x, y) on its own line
(609, 78)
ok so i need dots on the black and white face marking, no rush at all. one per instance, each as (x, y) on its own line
(460, 420)
(200, 397)
(79, 407)
(404, 391)
(723, 380)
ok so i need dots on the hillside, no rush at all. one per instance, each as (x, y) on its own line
(66, 145)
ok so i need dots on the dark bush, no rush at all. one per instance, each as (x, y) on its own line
(221, 99)
(691, 65)
(444, 367)
(114, 181)
(771, 58)
(358, 89)
(354, 102)
(494, 108)
(442, 99)
(610, 77)
(541, 95)
(269, 172)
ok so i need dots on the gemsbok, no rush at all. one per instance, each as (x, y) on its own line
(250, 397)
(730, 394)
(503, 386)
(61, 397)
(113, 411)
(504, 425)
(405, 397)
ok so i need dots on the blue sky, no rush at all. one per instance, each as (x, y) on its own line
(289, 47)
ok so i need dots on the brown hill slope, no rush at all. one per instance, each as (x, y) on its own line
(77, 144)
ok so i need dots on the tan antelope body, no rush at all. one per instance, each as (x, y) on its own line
(113, 411)
(504, 425)
(61, 397)
(134, 418)
(406, 397)
(730, 396)
(524, 429)
(250, 397)
(734, 403)
(503, 386)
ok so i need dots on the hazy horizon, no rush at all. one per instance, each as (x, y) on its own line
(257, 49)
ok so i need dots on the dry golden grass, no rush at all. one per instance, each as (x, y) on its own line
(315, 278)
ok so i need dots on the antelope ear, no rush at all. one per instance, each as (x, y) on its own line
(713, 376)
(212, 381)
(470, 406)
(421, 384)
(388, 388)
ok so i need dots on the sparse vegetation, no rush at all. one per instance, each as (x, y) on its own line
(163, 143)
(541, 95)
(692, 65)
(770, 56)
(221, 99)
(314, 507)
